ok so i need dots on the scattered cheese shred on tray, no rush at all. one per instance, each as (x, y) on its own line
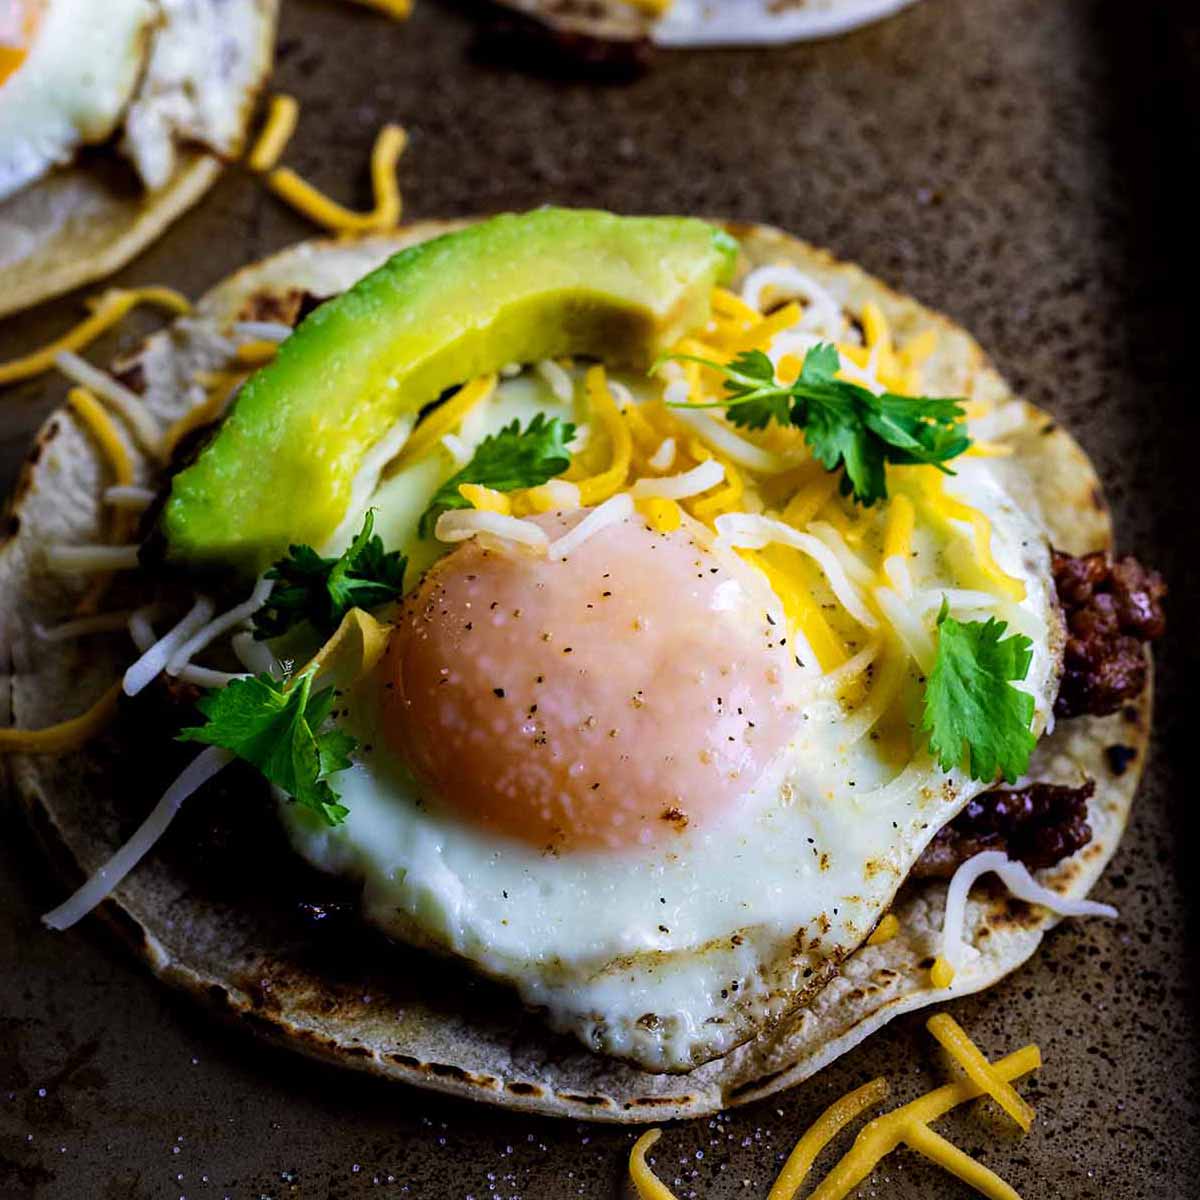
(907, 1125)
(314, 204)
(66, 735)
(111, 307)
(952, 1037)
(821, 1132)
(400, 10)
(276, 133)
(648, 1185)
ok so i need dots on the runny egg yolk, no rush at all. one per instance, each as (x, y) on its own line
(19, 20)
(606, 700)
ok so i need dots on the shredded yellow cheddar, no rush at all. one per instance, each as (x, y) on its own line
(648, 1185)
(102, 428)
(941, 974)
(65, 736)
(256, 353)
(318, 207)
(485, 499)
(662, 515)
(276, 133)
(954, 1039)
(822, 1131)
(111, 307)
(444, 419)
(596, 488)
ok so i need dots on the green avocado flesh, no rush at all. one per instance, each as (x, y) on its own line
(515, 288)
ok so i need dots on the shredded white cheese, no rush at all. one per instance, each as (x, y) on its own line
(85, 559)
(557, 380)
(102, 882)
(125, 401)
(823, 313)
(737, 449)
(460, 524)
(261, 331)
(253, 654)
(108, 622)
(908, 627)
(855, 567)
(615, 508)
(366, 480)
(209, 633)
(156, 656)
(1020, 883)
(751, 531)
(136, 499)
(679, 487)
(664, 456)
(459, 451)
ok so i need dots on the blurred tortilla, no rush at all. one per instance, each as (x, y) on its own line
(223, 929)
(88, 219)
(695, 23)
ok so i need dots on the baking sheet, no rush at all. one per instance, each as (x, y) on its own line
(1020, 165)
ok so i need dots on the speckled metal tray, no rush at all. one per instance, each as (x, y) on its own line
(1017, 163)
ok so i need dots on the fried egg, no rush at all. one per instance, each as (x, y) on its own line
(160, 73)
(642, 783)
(67, 71)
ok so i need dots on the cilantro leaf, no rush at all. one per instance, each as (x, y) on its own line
(973, 714)
(513, 458)
(846, 426)
(322, 590)
(274, 727)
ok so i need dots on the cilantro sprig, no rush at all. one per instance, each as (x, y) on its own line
(276, 727)
(973, 714)
(846, 426)
(513, 458)
(322, 590)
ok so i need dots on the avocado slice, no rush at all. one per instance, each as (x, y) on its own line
(515, 288)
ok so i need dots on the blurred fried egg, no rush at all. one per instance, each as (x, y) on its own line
(75, 72)
(623, 782)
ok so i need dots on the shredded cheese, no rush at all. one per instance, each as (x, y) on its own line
(882, 1135)
(100, 425)
(662, 514)
(458, 525)
(614, 509)
(789, 579)
(126, 402)
(485, 499)
(102, 882)
(318, 207)
(933, 492)
(1020, 883)
(554, 494)
(953, 1038)
(399, 10)
(257, 352)
(556, 379)
(826, 312)
(207, 634)
(66, 735)
(752, 531)
(596, 488)
(647, 1184)
(85, 559)
(276, 133)
(887, 929)
(446, 418)
(153, 660)
(950, 1158)
(664, 456)
(108, 622)
(821, 1132)
(720, 437)
(133, 499)
(695, 482)
(211, 406)
(110, 308)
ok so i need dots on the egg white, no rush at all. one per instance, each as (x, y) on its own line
(73, 86)
(669, 955)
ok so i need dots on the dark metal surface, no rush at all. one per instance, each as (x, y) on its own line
(1018, 163)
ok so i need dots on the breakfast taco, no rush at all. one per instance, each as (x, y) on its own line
(683, 23)
(114, 119)
(585, 663)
